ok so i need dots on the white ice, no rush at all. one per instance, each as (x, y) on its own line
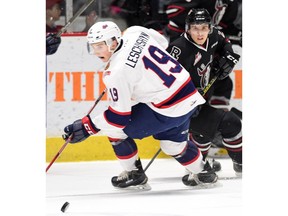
(87, 187)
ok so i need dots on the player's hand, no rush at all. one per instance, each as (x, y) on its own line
(225, 64)
(52, 43)
(80, 130)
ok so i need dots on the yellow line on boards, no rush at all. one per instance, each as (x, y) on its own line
(96, 148)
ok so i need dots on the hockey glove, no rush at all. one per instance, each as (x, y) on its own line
(52, 43)
(80, 130)
(225, 64)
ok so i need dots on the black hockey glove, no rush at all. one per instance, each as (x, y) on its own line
(52, 43)
(225, 64)
(80, 130)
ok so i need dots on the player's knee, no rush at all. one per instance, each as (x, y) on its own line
(124, 147)
(114, 141)
(172, 148)
(230, 125)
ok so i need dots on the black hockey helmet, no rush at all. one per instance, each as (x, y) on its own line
(197, 16)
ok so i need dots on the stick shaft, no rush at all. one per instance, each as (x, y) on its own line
(97, 101)
(70, 137)
(58, 153)
(72, 19)
(151, 161)
(205, 90)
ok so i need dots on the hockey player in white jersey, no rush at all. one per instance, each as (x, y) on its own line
(151, 95)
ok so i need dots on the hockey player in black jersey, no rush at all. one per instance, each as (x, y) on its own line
(225, 14)
(205, 52)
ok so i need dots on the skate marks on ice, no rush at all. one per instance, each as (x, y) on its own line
(159, 187)
(230, 178)
(87, 187)
(136, 191)
(165, 176)
(143, 187)
(160, 200)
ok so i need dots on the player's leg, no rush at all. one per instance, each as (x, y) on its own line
(127, 154)
(144, 122)
(204, 144)
(222, 92)
(210, 121)
(174, 143)
(203, 129)
(231, 130)
(220, 99)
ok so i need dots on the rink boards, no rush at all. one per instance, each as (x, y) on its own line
(74, 82)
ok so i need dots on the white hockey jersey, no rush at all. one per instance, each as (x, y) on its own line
(141, 71)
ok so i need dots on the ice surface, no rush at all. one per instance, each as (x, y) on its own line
(87, 187)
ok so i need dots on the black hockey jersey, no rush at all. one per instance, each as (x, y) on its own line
(198, 59)
(223, 14)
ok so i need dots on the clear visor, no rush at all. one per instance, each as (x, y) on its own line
(96, 48)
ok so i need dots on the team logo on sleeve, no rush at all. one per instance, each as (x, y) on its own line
(175, 52)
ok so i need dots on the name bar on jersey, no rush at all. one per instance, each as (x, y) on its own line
(136, 50)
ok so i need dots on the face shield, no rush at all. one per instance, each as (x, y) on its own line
(99, 47)
(106, 32)
(90, 49)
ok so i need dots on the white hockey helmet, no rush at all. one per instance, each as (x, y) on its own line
(104, 31)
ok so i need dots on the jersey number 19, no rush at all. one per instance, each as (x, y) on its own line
(162, 58)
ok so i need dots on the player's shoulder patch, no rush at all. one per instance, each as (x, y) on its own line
(175, 52)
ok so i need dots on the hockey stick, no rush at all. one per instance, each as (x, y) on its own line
(72, 19)
(70, 137)
(205, 90)
(151, 161)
